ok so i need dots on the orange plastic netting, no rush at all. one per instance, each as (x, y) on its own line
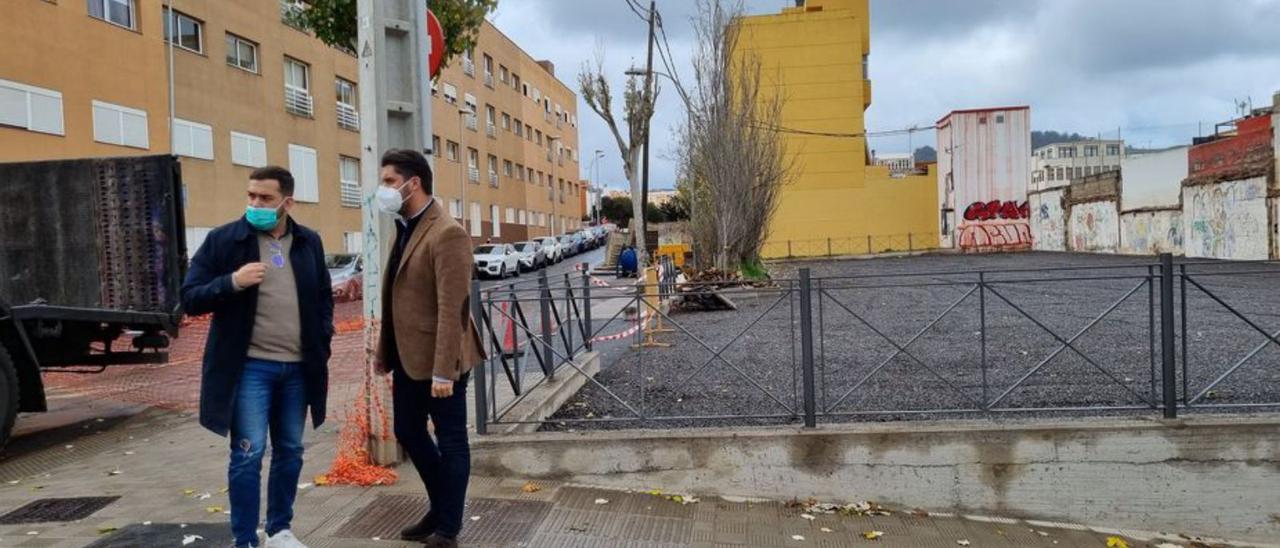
(353, 465)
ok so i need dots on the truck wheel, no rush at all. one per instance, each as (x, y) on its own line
(8, 396)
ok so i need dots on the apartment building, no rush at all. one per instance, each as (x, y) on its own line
(1058, 164)
(248, 89)
(505, 141)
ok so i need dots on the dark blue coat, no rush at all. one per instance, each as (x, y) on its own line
(208, 289)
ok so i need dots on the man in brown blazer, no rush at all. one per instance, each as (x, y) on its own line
(428, 341)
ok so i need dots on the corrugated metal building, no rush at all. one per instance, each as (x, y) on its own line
(984, 169)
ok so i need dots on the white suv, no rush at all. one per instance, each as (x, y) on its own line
(552, 248)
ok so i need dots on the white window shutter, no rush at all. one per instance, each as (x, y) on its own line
(134, 129)
(302, 163)
(106, 125)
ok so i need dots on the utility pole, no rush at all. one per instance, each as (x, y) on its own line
(642, 222)
(395, 103)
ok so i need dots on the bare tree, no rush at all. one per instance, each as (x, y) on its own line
(637, 108)
(735, 159)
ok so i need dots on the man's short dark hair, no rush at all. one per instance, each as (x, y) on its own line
(276, 173)
(409, 163)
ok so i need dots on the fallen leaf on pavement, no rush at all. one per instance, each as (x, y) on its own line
(188, 492)
(128, 453)
(963, 542)
(33, 533)
(872, 535)
(188, 539)
(1116, 542)
(321, 480)
(114, 473)
(530, 487)
(106, 529)
(146, 523)
(224, 490)
(602, 501)
(797, 537)
(809, 517)
(304, 485)
(203, 496)
(213, 509)
(475, 518)
(825, 529)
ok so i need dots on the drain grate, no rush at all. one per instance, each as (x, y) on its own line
(167, 534)
(51, 510)
(501, 522)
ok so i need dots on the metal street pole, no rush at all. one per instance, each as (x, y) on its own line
(642, 223)
(395, 100)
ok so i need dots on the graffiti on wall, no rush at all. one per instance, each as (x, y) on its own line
(1095, 226)
(995, 225)
(999, 235)
(996, 209)
(1227, 220)
(1048, 232)
(1151, 232)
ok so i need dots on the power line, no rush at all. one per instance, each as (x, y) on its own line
(637, 9)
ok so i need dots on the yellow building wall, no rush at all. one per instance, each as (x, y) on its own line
(834, 204)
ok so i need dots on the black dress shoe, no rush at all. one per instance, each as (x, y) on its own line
(419, 532)
(440, 541)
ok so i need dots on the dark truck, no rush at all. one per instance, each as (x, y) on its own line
(92, 254)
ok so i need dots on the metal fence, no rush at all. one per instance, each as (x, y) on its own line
(1134, 338)
(869, 244)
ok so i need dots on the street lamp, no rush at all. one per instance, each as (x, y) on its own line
(463, 112)
(595, 203)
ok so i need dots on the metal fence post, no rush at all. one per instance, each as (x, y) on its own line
(868, 244)
(586, 306)
(828, 247)
(806, 349)
(911, 246)
(789, 254)
(1167, 337)
(482, 393)
(544, 302)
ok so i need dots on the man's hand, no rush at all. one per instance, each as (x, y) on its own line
(441, 389)
(380, 367)
(250, 275)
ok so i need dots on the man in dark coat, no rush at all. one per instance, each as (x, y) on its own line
(263, 278)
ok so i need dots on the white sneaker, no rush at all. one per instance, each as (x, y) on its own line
(284, 539)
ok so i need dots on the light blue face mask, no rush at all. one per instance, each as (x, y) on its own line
(262, 218)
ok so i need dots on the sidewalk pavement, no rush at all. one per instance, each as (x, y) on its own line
(169, 476)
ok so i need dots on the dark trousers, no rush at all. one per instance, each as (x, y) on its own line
(444, 464)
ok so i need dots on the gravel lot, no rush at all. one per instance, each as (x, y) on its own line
(857, 376)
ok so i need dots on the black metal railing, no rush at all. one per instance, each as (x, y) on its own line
(1138, 337)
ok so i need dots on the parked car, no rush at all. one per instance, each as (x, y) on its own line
(345, 275)
(496, 260)
(589, 238)
(551, 248)
(569, 246)
(532, 257)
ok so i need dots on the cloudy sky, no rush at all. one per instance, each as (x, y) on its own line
(1152, 69)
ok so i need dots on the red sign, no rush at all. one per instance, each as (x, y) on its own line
(436, 34)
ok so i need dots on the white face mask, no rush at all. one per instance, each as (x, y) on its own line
(389, 199)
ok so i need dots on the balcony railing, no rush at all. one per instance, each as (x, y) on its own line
(491, 131)
(488, 79)
(297, 101)
(493, 178)
(291, 13)
(349, 194)
(471, 121)
(473, 175)
(468, 67)
(348, 118)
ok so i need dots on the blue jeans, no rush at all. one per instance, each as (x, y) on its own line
(444, 464)
(272, 397)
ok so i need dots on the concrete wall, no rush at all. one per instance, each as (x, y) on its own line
(1151, 232)
(1095, 227)
(1153, 180)
(1227, 220)
(1191, 475)
(1048, 227)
